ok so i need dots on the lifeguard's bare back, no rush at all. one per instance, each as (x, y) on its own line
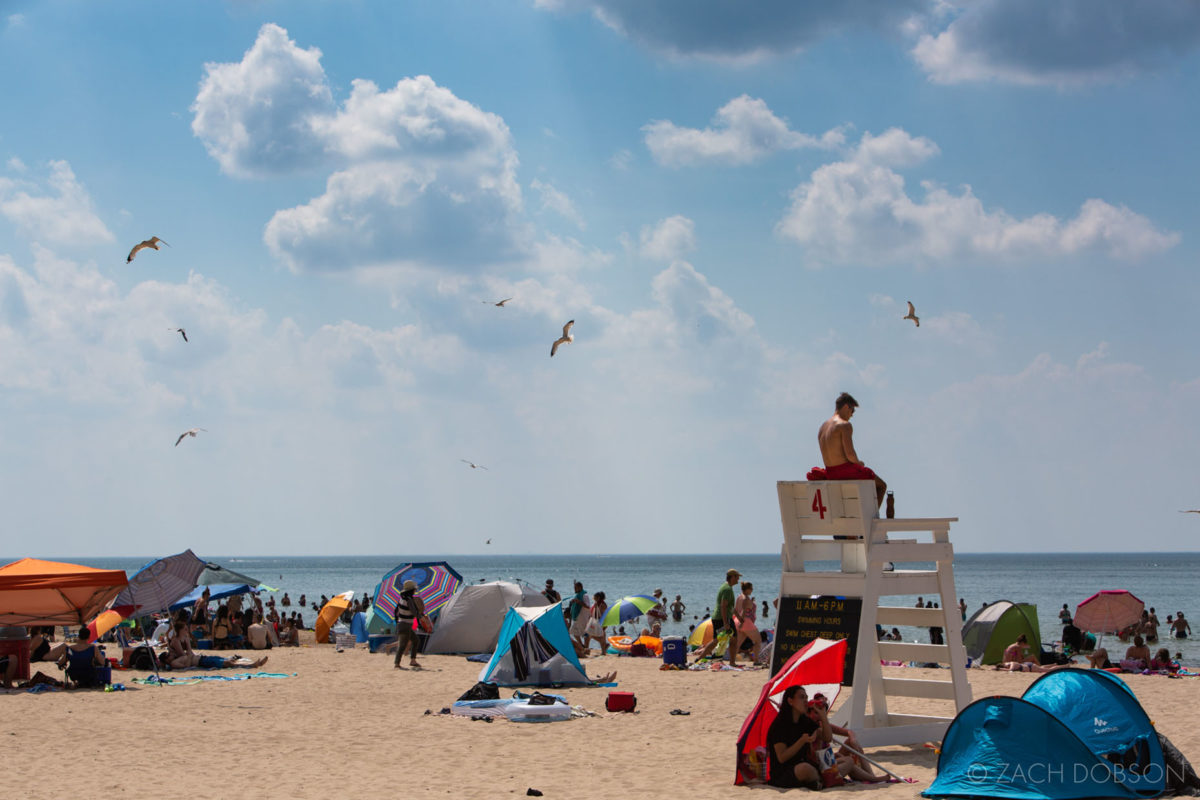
(836, 439)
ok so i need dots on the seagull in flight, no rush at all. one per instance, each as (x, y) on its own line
(187, 433)
(912, 314)
(473, 464)
(499, 304)
(566, 338)
(153, 242)
(180, 331)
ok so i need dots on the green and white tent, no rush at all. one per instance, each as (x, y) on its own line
(995, 627)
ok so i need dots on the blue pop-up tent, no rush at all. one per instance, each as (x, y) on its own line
(533, 649)
(1075, 733)
(215, 592)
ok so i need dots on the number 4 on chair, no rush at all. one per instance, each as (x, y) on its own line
(819, 505)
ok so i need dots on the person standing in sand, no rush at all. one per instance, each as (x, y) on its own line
(722, 618)
(836, 440)
(409, 610)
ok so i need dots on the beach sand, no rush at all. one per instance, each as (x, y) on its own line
(349, 726)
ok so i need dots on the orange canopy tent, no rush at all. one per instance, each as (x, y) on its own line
(35, 592)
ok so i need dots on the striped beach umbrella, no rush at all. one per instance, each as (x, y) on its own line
(628, 608)
(436, 582)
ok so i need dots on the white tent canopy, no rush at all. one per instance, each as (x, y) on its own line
(470, 622)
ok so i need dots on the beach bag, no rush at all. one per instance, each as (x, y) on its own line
(481, 691)
(827, 764)
(426, 625)
(620, 701)
(141, 658)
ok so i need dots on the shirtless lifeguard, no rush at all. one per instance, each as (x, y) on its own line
(836, 438)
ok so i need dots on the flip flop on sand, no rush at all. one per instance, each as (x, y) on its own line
(677, 712)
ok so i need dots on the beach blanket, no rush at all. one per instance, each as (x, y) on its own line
(155, 680)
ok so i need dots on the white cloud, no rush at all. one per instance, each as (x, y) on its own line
(737, 32)
(423, 178)
(15, 20)
(859, 211)
(894, 148)
(58, 211)
(17, 165)
(622, 159)
(558, 202)
(1062, 43)
(744, 131)
(256, 116)
(669, 240)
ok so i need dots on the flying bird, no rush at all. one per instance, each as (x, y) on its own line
(499, 304)
(912, 314)
(566, 338)
(153, 242)
(180, 331)
(1191, 511)
(473, 464)
(191, 432)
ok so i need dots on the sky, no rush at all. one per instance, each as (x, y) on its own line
(732, 201)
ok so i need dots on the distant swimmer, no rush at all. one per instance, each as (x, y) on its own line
(836, 440)
(489, 541)
(566, 338)
(180, 331)
(912, 314)
(499, 304)
(472, 464)
(153, 242)
(192, 432)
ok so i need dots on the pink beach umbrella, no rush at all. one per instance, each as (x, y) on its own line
(1108, 611)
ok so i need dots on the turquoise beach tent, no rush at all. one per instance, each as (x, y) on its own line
(1074, 734)
(533, 649)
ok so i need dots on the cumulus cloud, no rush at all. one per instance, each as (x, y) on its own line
(558, 202)
(670, 239)
(57, 211)
(744, 131)
(257, 116)
(421, 177)
(859, 210)
(723, 31)
(1062, 43)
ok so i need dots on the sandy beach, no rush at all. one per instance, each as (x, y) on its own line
(349, 725)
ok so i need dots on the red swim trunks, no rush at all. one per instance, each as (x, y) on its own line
(842, 472)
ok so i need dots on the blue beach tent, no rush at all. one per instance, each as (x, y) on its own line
(216, 591)
(1075, 733)
(533, 649)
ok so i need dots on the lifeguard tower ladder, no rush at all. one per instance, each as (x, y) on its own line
(839, 521)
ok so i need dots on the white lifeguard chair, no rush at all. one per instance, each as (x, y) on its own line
(838, 521)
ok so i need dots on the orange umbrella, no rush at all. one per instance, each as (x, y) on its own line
(330, 612)
(106, 620)
(36, 592)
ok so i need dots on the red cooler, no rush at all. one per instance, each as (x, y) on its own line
(20, 649)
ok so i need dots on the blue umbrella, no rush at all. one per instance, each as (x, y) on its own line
(215, 592)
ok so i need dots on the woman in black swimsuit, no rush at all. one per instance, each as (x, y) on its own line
(40, 647)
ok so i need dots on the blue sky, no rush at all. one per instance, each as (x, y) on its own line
(732, 201)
